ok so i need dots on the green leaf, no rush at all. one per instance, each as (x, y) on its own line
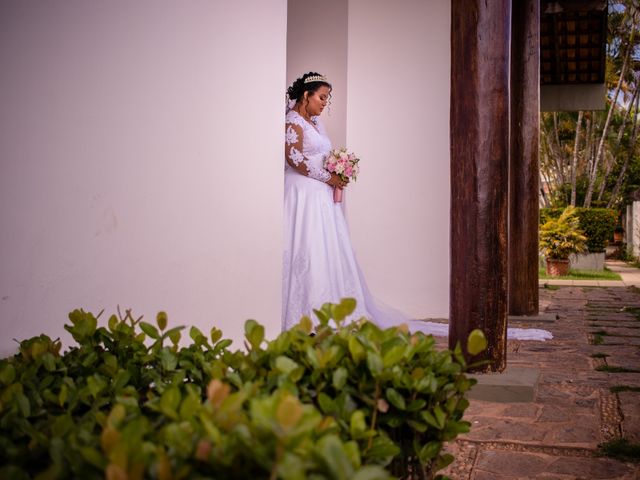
(215, 335)
(312, 357)
(113, 323)
(444, 461)
(306, 325)
(62, 396)
(343, 309)
(327, 405)
(335, 458)
(374, 362)
(441, 417)
(477, 342)
(110, 362)
(7, 374)
(418, 426)
(196, 335)
(23, 404)
(254, 332)
(291, 467)
(116, 415)
(353, 452)
(348, 304)
(285, 364)
(416, 405)
(174, 334)
(430, 419)
(161, 320)
(61, 425)
(394, 355)
(324, 319)
(169, 401)
(429, 451)
(94, 457)
(190, 406)
(395, 398)
(149, 330)
(356, 349)
(84, 324)
(382, 450)
(456, 428)
(96, 384)
(339, 378)
(357, 424)
(221, 345)
(168, 359)
(372, 472)
(120, 380)
(288, 412)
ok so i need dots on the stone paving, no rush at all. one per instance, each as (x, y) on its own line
(557, 435)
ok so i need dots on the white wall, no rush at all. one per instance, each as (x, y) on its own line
(398, 123)
(632, 230)
(317, 42)
(141, 162)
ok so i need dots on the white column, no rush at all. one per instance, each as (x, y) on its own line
(398, 122)
(634, 230)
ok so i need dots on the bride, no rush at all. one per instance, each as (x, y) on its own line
(319, 262)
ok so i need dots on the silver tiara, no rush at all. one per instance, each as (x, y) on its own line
(315, 78)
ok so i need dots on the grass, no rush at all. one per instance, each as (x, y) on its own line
(624, 388)
(620, 448)
(605, 274)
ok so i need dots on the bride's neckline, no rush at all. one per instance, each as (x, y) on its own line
(313, 120)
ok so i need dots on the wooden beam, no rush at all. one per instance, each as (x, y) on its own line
(479, 143)
(524, 167)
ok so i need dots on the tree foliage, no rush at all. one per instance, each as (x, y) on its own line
(592, 158)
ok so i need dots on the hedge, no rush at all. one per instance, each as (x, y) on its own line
(598, 224)
(353, 402)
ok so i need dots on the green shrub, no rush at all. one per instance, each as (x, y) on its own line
(560, 237)
(352, 402)
(598, 224)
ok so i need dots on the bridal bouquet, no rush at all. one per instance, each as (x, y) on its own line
(344, 164)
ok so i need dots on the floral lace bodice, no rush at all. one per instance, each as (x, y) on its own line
(306, 146)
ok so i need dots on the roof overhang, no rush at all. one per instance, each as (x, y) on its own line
(573, 40)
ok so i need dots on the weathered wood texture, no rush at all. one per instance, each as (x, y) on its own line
(479, 121)
(524, 168)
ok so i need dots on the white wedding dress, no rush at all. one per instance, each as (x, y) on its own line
(319, 263)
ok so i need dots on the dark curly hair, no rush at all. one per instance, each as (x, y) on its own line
(297, 89)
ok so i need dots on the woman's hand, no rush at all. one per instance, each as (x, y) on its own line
(337, 181)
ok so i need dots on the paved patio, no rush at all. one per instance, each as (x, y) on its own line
(557, 435)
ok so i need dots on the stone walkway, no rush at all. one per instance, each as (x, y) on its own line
(557, 435)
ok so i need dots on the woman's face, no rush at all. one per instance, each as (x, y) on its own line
(317, 100)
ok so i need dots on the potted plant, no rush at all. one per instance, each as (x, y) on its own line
(559, 238)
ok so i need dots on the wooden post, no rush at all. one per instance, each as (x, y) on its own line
(480, 38)
(524, 169)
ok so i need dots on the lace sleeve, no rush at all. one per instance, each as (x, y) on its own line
(295, 158)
